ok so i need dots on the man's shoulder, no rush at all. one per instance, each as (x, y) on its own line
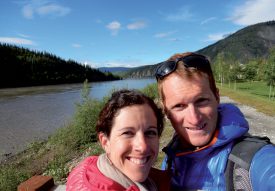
(245, 148)
(245, 162)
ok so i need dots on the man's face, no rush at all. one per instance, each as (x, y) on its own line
(192, 108)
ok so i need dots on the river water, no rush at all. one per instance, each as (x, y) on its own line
(34, 113)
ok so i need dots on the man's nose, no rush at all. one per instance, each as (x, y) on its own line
(193, 115)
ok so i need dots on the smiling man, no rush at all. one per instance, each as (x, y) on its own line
(205, 130)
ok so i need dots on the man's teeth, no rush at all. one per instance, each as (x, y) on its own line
(138, 161)
(196, 128)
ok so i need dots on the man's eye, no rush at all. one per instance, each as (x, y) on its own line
(202, 101)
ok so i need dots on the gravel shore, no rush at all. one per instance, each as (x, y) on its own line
(259, 123)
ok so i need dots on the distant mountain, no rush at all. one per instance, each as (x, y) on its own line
(113, 69)
(146, 71)
(251, 42)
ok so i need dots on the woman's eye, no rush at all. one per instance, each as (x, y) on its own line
(179, 107)
(128, 133)
(152, 133)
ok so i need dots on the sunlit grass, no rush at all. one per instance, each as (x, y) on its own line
(255, 94)
(166, 136)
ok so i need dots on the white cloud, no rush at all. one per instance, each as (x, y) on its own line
(208, 20)
(99, 21)
(175, 39)
(136, 25)
(254, 11)
(164, 34)
(114, 27)
(182, 15)
(116, 63)
(90, 63)
(216, 37)
(18, 41)
(53, 9)
(76, 45)
(27, 11)
(43, 8)
(23, 35)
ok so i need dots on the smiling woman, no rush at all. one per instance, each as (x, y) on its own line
(128, 128)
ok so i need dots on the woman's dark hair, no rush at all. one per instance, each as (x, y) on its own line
(120, 99)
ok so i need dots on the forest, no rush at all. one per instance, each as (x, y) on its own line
(231, 71)
(23, 67)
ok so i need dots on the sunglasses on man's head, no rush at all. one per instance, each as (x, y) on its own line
(195, 61)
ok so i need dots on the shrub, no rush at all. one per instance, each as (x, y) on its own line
(151, 91)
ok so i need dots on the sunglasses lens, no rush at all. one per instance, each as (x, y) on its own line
(192, 61)
(165, 68)
(199, 62)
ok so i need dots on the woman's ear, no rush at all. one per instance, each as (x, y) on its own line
(104, 141)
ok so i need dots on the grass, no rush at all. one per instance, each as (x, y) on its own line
(166, 136)
(255, 94)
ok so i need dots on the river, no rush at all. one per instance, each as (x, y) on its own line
(34, 113)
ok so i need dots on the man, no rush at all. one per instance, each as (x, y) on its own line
(205, 129)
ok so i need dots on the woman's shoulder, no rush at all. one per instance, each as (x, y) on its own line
(86, 177)
(77, 177)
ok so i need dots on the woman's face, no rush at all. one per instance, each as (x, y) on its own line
(134, 142)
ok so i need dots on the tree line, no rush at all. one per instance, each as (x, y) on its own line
(229, 70)
(23, 67)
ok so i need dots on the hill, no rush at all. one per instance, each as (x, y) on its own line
(23, 67)
(249, 43)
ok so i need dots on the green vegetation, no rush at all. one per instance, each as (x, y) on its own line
(22, 67)
(255, 94)
(232, 72)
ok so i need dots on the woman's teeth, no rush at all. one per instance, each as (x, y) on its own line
(138, 161)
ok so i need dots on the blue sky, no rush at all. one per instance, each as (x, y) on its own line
(125, 32)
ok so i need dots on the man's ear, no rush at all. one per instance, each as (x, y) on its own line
(104, 141)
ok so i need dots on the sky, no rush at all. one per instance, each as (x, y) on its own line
(127, 33)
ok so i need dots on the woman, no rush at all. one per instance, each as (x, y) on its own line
(128, 128)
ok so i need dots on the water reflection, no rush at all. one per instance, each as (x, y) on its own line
(28, 114)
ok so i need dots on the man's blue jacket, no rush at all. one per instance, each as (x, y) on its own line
(204, 169)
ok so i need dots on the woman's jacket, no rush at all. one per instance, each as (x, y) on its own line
(87, 177)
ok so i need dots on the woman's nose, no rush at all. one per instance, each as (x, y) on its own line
(140, 143)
